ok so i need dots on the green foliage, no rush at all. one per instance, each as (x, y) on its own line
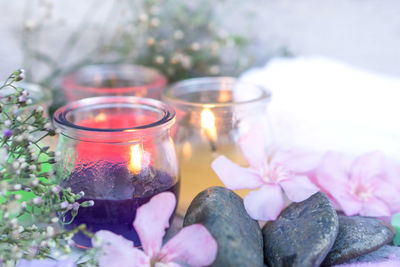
(32, 206)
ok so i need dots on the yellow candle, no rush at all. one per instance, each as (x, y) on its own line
(213, 113)
(196, 173)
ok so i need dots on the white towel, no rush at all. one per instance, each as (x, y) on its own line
(321, 104)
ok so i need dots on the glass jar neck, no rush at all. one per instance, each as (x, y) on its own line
(114, 79)
(114, 119)
(216, 93)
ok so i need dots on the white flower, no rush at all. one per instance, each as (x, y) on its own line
(159, 59)
(155, 22)
(195, 46)
(29, 25)
(143, 17)
(178, 35)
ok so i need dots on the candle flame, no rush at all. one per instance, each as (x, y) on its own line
(207, 122)
(224, 96)
(136, 158)
(100, 117)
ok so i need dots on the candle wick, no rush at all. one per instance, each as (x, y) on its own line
(213, 145)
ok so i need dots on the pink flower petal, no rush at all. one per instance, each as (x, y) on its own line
(253, 148)
(193, 245)
(266, 203)
(117, 252)
(233, 176)
(375, 207)
(349, 203)
(298, 188)
(388, 193)
(368, 166)
(298, 161)
(151, 221)
(333, 177)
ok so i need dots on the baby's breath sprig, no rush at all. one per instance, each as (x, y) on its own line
(31, 203)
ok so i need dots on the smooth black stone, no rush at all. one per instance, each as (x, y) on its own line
(389, 255)
(238, 236)
(358, 236)
(302, 235)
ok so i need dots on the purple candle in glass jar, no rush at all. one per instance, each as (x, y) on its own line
(117, 194)
(119, 152)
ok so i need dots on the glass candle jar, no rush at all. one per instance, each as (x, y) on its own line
(113, 79)
(213, 114)
(119, 152)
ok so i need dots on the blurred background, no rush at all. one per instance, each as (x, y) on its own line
(363, 33)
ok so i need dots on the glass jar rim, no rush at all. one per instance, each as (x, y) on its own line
(170, 93)
(159, 80)
(61, 121)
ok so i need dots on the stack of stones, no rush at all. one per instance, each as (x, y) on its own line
(309, 233)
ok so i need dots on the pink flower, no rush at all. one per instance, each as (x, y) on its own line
(361, 186)
(193, 245)
(272, 174)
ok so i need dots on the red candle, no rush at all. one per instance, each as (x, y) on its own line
(119, 152)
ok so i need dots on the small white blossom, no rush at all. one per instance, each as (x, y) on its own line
(55, 189)
(64, 205)
(195, 46)
(178, 35)
(7, 123)
(143, 17)
(13, 222)
(155, 22)
(159, 59)
(15, 164)
(37, 200)
(35, 182)
(14, 110)
(17, 187)
(32, 167)
(29, 25)
(50, 231)
(39, 109)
